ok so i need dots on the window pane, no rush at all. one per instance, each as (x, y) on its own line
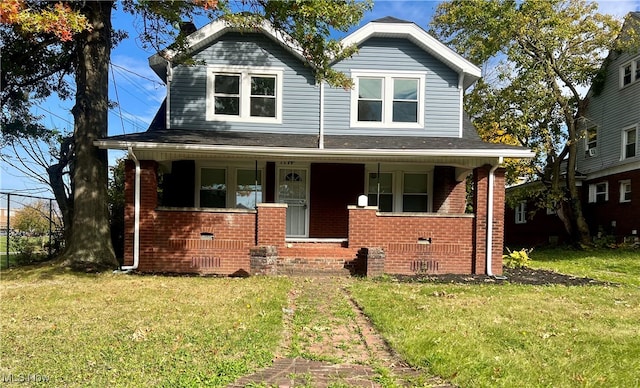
(386, 182)
(631, 136)
(248, 194)
(638, 70)
(627, 75)
(415, 183)
(227, 84)
(630, 150)
(263, 107)
(414, 203)
(213, 188)
(227, 106)
(263, 86)
(370, 88)
(405, 89)
(405, 112)
(370, 111)
(386, 202)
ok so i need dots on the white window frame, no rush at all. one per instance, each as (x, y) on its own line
(397, 189)
(231, 175)
(590, 144)
(387, 99)
(245, 73)
(521, 213)
(593, 193)
(623, 190)
(625, 131)
(634, 66)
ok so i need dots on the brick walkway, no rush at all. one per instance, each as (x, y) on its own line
(338, 332)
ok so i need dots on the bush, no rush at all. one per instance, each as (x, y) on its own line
(28, 249)
(517, 259)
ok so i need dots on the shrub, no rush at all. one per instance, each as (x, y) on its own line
(517, 259)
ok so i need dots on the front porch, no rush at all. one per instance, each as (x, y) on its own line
(241, 242)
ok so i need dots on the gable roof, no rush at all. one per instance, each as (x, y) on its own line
(390, 27)
(209, 33)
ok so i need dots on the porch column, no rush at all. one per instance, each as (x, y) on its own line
(480, 206)
(362, 226)
(271, 224)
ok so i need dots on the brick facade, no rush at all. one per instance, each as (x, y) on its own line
(241, 242)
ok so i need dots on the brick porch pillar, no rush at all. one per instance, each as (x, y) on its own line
(272, 224)
(148, 204)
(480, 205)
(362, 226)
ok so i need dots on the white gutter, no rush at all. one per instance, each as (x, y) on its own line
(489, 246)
(321, 134)
(315, 152)
(167, 119)
(136, 217)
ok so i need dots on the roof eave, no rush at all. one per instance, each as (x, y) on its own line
(291, 151)
(423, 40)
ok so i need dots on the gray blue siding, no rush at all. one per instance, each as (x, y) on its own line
(442, 96)
(612, 111)
(300, 105)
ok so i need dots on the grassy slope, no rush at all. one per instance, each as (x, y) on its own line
(513, 335)
(118, 330)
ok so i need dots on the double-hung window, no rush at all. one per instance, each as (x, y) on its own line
(244, 94)
(599, 192)
(399, 191)
(630, 72)
(630, 142)
(591, 141)
(521, 213)
(230, 187)
(387, 100)
(625, 191)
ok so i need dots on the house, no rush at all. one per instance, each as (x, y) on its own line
(251, 166)
(608, 162)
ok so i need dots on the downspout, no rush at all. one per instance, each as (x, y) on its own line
(136, 217)
(489, 245)
(168, 103)
(321, 129)
(461, 104)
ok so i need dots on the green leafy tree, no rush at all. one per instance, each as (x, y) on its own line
(542, 53)
(33, 218)
(86, 57)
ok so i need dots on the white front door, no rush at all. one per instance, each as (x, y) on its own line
(292, 190)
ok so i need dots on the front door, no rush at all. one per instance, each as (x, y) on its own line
(292, 190)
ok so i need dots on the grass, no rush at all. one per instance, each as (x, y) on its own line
(124, 330)
(515, 335)
(619, 266)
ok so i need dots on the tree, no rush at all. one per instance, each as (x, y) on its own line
(88, 244)
(33, 218)
(548, 51)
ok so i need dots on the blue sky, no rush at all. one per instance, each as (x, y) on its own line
(140, 92)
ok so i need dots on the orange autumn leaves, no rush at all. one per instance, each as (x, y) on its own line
(59, 20)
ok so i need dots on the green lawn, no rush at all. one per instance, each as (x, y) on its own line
(124, 330)
(515, 335)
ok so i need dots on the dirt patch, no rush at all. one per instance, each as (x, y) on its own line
(528, 276)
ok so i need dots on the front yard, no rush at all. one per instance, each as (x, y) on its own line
(62, 328)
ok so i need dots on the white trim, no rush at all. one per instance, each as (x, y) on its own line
(387, 99)
(321, 128)
(521, 213)
(422, 39)
(231, 180)
(634, 65)
(634, 165)
(315, 152)
(398, 172)
(461, 104)
(623, 151)
(296, 166)
(167, 113)
(245, 73)
(622, 186)
(593, 191)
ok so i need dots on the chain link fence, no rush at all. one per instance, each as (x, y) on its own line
(30, 229)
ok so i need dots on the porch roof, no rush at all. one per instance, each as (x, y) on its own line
(252, 144)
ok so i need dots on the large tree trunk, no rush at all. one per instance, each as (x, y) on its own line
(581, 233)
(89, 246)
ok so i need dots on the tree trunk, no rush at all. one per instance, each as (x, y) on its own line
(89, 246)
(581, 233)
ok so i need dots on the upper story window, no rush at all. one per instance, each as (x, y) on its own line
(591, 141)
(599, 192)
(630, 72)
(521, 213)
(630, 142)
(244, 94)
(406, 192)
(387, 100)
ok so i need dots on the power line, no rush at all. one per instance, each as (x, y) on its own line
(136, 74)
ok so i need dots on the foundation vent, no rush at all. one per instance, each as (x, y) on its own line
(205, 262)
(424, 266)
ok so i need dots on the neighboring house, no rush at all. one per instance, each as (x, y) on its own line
(608, 161)
(262, 170)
